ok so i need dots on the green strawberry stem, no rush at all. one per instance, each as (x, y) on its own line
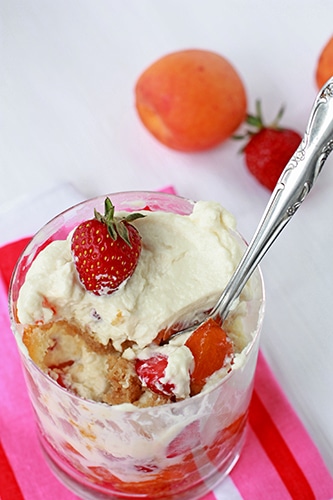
(256, 121)
(117, 226)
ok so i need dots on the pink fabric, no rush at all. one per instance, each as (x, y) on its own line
(168, 189)
(17, 427)
(243, 475)
(288, 424)
(254, 477)
(277, 444)
(255, 462)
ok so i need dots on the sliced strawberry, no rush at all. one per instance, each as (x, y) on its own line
(151, 371)
(210, 347)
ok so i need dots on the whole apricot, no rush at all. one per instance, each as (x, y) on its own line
(191, 100)
(325, 64)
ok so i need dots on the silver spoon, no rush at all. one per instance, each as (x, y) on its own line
(294, 184)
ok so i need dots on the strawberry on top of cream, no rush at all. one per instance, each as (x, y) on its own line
(185, 263)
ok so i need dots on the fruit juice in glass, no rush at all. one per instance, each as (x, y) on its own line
(177, 451)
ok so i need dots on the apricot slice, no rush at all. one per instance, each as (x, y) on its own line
(210, 347)
(160, 484)
(226, 439)
(191, 100)
(325, 64)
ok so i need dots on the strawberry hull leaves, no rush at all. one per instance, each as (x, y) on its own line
(106, 250)
(116, 226)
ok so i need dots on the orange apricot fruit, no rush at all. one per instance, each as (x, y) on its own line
(191, 100)
(210, 346)
(325, 64)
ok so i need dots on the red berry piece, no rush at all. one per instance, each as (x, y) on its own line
(106, 250)
(151, 372)
(269, 148)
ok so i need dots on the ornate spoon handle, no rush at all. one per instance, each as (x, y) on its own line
(296, 181)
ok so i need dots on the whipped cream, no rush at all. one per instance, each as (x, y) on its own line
(185, 263)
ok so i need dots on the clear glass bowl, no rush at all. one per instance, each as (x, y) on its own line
(175, 451)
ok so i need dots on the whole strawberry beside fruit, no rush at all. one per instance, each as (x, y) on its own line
(106, 250)
(269, 148)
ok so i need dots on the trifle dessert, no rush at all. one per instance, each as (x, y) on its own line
(124, 407)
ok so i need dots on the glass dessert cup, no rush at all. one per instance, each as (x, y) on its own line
(175, 451)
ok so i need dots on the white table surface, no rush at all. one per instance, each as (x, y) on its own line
(68, 69)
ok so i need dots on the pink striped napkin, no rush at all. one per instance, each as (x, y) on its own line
(279, 460)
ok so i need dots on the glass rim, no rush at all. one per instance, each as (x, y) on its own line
(78, 205)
